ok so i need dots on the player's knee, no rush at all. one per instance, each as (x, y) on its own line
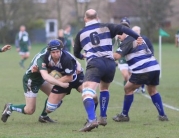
(29, 111)
(51, 107)
(88, 93)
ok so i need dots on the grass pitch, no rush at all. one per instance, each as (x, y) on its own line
(71, 115)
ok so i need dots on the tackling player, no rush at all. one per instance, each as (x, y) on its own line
(32, 82)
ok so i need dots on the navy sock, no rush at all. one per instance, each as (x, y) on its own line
(157, 101)
(89, 106)
(96, 104)
(143, 85)
(128, 99)
(104, 100)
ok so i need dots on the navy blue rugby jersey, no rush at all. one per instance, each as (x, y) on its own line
(66, 66)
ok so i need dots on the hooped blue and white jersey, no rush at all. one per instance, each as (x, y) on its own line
(96, 40)
(139, 58)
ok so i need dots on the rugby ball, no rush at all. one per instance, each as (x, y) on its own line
(55, 74)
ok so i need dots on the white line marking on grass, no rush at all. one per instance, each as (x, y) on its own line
(147, 96)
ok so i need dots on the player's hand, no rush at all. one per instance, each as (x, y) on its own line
(84, 55)
(64, 84)
(5, 48)
(29, 47)
(17, 49)
(34, 69)
(139, 40)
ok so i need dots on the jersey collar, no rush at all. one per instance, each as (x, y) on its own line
(91, 22)
(53, 63)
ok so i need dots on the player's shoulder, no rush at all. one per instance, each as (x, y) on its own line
(66, 56)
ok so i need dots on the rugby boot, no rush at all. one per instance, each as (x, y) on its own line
(6, 112)
(121, 118)
(46, 119)
(163, 118)
(89, 126)
(102, 121)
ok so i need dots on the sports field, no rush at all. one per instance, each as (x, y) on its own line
(71, 115)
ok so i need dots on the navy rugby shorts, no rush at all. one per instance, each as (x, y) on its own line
(148, 78)
(100, 69)
(75, 84)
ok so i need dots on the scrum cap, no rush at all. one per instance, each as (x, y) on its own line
(55, 45)
(125, 21)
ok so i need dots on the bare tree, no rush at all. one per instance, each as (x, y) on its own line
(16, 12)
(153, 13)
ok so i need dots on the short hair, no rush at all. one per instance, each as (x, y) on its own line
(91, 16)
(136, 29)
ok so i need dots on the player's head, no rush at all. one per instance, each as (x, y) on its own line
(125, 21)
(136, 29)
(55, 45)
(90, 14)
(22, 28)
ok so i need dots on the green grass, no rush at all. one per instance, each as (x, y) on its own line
(71, 115)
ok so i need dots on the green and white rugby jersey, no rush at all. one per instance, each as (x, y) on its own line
(38, 61)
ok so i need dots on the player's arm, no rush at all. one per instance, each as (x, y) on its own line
(5, 48)
(78, 47)
(124, 49)
(117, 29)
(116, 56)
(79, 68)
(69, 69)
(47, 77)
(29, 44)
(176, 40)
(52, 80)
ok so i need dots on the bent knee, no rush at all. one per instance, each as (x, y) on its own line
(29, 111)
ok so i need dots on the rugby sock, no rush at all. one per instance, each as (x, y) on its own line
(95, 106)
(59, 104)
(157, 101)
(125, 82)
(143, 86)
(128, 99)
(44, 110)
(104, 100)
(89, 106)
(22, 61)
(18, 108)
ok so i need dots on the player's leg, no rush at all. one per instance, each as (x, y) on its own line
(90, 84)
(104, 100)
(21, 63)
(53, 102)
(155, 96)
(143, 88)
(46, 88)
(78, 86)
(31, 91)
(124, 68)
(129, 88)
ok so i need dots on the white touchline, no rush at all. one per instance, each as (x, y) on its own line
(147, 96)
